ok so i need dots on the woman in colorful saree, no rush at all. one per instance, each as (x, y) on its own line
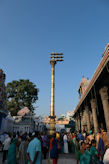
(12, 151)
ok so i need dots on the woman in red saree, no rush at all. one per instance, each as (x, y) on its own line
(54, 149)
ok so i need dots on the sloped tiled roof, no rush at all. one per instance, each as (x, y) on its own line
(97, 73)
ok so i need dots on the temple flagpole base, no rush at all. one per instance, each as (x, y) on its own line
(52, 129)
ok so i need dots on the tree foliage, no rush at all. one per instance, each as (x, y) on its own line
(21, 93)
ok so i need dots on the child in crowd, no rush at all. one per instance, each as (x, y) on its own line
(86, 157)
(94, 152)
(93, 149)
(81, 151)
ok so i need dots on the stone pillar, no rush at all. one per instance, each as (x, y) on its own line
(78, 118)
(76, 122)
(85, 121)
(104, 97)
(91, 120)
(87, 118)
(94, 114)
(81, 123)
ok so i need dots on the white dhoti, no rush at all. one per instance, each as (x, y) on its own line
(65, 147)
(65, 144)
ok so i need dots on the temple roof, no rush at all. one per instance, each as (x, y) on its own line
(23, 111)
(101, 66)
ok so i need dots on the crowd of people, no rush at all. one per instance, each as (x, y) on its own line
(33, 147)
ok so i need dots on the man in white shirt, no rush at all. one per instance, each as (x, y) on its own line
(6, 147)
(106, 155)
(65, 139)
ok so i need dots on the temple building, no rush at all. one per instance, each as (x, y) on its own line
(24, 124)
(26, 121)
(92, 111)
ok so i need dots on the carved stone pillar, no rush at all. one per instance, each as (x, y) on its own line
(79, 122)
(94, 114)
(76, 122)
(78, 118)
(87, 117)
(104, 97)
(84, 121)
(81, 116)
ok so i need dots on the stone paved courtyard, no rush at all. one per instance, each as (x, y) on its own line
(63, 159)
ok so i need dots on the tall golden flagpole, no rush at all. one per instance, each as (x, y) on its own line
(55, 57)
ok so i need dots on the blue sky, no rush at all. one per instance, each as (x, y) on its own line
(30, 30)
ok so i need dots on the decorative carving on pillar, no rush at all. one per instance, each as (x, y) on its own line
(88, 117)
(79, 126)
(85, 120)
(103, 93)
(93, 103)
(76, 121)
(91, 119)
(81, 121)
(104, 97)
(94, 113)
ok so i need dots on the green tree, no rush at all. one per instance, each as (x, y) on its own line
(21, 93)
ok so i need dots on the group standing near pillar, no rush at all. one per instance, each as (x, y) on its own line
(93, 105)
